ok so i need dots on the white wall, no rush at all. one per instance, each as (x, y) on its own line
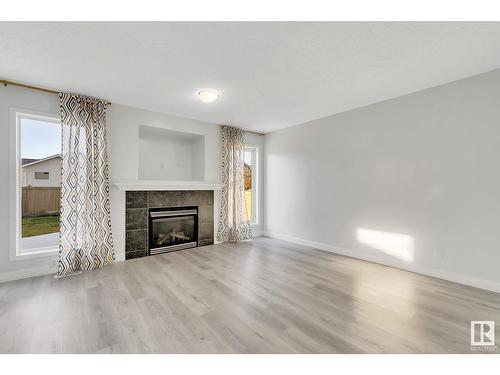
(426, 165)
(198, 159)
(19, 98)
(124, 145)
(123, 142)
(123, 129)
(170, 155)
(53, 166)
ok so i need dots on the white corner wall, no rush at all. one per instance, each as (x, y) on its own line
(18, 98)
(123, 141)
(426, 165)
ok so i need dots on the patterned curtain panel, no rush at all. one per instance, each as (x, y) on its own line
(86, 241)
(233, 223)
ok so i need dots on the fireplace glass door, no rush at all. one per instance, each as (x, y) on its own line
(172, 230)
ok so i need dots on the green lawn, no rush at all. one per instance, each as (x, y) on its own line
(35, 226)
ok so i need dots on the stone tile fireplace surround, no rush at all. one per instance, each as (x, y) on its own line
(138, 203)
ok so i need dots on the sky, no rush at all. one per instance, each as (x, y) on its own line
(248, 158)
(40, 139)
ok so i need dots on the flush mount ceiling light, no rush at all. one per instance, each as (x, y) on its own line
(208, 96)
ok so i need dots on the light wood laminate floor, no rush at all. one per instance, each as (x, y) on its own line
(260, 296)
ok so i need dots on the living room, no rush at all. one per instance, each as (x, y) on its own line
(249, 187)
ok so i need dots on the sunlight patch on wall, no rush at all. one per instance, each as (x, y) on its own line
(395, 244)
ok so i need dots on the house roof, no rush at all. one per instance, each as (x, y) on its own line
(25, 161)
(36, 161)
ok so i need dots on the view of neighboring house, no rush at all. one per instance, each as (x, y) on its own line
(44, 172)
(41, 183)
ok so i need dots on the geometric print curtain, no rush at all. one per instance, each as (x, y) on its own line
(233, 223)
(85, 229)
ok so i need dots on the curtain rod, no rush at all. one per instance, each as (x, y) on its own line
(6, 83)
(251, 132)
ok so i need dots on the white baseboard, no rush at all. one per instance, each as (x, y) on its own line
(440, 274)
(27, 272)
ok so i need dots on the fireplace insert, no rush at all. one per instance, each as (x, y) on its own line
(172, 228)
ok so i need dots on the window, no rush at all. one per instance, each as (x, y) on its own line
(38, 184)
(250, 177)
(42, 175)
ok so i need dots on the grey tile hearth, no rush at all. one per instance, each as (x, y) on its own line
(137, 204)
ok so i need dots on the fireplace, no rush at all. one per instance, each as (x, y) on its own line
(140, 240)
(172, 228)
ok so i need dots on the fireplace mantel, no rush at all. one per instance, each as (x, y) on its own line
(146, 185)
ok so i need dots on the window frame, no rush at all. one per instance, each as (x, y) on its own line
(254, 149)
(15, 239)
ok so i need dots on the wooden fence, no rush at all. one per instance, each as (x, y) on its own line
(40, 200)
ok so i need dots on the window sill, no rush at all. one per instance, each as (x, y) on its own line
(37, 253)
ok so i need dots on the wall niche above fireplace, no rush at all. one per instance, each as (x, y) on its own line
(170, 155)
(139, 226)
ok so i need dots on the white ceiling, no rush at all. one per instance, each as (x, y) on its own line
(271, 75)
